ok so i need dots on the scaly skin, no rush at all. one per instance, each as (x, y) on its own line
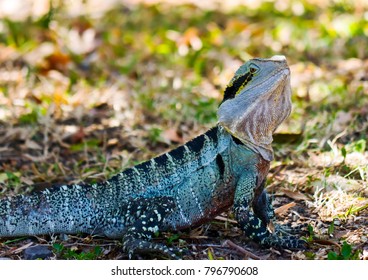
(188, 186)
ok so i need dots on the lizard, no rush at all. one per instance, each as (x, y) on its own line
(224, 168)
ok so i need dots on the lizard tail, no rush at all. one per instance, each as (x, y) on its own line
(63, 209)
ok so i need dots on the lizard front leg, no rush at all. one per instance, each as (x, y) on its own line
(264, 210)
(263, 206)
(254, 221)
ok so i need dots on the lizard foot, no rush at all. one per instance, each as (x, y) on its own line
(286, 242)
(285, 230)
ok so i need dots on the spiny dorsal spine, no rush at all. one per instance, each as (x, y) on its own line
(87, 208)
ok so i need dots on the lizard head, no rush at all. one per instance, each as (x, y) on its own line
(256, 101)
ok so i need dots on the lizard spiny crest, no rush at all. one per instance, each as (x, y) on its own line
(256, 101)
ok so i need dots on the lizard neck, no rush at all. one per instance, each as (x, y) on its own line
(265, 150)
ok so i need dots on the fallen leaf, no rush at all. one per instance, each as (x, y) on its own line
(294, 195)
(26, 181)
(284, 208)
(194, 233)
(78, 136)
(20, 249)
(3, 177)
(326, 242)
(30, 144)
(342, 120)
(55, 61)
(41, 158)
(172, 135)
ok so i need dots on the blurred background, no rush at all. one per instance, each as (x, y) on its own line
(90, 87)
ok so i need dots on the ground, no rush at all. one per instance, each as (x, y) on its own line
(86, 92)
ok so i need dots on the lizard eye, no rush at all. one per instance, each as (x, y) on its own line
(253, 70)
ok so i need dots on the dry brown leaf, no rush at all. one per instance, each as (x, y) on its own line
(326, 242)
(194, 233)
(235, 25)
(42, 158)
(172, 135)
(78, 136)
(6, 53)
(340, 234)
(27, 181)
(190, 35)
(30, 144)
(294, 195)
(37, 173)
(342, 120)
(112, 142)
(4, 149)
(284, 208)
(55, 61)
(20, 249)
(3, 177)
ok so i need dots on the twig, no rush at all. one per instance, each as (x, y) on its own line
(240, 249)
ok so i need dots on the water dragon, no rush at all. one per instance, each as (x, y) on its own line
(224, 167)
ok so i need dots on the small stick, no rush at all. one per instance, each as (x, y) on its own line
(240, 249)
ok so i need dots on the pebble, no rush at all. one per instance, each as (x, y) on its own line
(37, 252)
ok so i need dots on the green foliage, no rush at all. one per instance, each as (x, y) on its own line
(71, 254)
(29, 118)
(33, 115)
(343, 152)
(172, 238)
(311, 233)
(310, 255)
(206, 110)
(358, 146)
(15, 240)
(58, 248)
(210, 255)
(352, 210)
(90, 144)
(154, 135)
(346, 253)
(45, 20)
(331, 228)
(10, 178)
(15, 35)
